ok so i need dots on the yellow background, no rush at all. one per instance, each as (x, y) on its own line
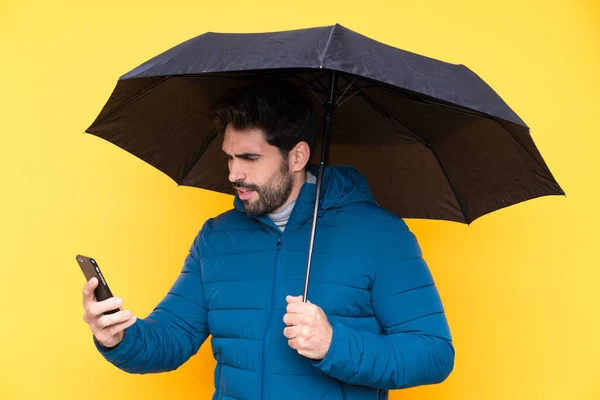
(520, 286)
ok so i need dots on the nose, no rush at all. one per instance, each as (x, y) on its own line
(236, 171)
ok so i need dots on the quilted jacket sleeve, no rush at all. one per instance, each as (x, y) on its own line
(172, 333)
(415, 346)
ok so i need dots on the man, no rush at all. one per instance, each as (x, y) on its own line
(374, 320)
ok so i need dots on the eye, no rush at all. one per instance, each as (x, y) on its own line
(249, 157)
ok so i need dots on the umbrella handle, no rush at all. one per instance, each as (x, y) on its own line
(329, 107)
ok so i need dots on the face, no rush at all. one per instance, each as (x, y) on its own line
(257, 171)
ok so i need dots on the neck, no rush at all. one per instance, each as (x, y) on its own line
(297, 181)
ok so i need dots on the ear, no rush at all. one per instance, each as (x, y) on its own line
(299, 156)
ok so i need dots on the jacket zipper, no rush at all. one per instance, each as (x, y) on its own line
(342, 390)
(219, 366)
(266, 336)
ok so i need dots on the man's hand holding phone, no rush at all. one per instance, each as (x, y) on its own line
(107, 328)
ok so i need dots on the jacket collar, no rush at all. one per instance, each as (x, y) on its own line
(340, 186)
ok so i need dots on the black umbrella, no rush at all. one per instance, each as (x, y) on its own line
(433, 139)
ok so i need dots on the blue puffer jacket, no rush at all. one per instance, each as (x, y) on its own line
(389, 326)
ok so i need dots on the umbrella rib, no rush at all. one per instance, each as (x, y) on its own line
(349, 97)
(471, 112)
(541, 164)
(405, 93)
(307, 84)
(345, 90)
(134, 99)
(387, 116)
(313, 92)
(462, 209)
(327, 46)
(201, 152)
(318, 82)
(316, 95)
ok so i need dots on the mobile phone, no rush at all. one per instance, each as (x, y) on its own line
(90, 269)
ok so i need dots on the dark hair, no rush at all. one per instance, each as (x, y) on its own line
(278, 108)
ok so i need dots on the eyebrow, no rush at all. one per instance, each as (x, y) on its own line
(245, 156)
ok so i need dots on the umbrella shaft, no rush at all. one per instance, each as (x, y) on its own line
(329, 106)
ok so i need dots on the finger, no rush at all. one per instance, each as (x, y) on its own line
(305, 353)
(298, 343)
(113, 330)
(292, 319)
(293, 343)
(88, 291)
(105, 334)
(99, 307)
(292, 331)
(113, 319)
(299, 308)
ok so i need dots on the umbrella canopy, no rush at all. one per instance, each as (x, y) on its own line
(433, 139)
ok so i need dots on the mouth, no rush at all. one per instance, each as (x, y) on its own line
(245, 194)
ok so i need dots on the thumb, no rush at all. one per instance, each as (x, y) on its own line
(293, 299)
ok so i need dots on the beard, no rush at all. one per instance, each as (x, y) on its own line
(272, 195)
